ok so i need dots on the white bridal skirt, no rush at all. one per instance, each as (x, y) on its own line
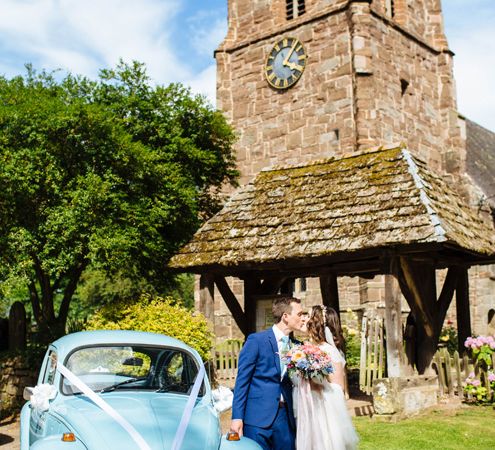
(323, 422)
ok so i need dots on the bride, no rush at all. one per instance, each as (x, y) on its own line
(323, 422)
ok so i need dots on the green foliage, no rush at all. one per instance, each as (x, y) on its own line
(352, 347)
(157, 315)
(449, 338)
(482, 349)
(113, 174)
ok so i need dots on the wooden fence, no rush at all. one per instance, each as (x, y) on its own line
(453, 370)
(372, 358)
(225, 359)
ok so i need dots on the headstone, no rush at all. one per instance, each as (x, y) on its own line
(4, 333)
(17, 327)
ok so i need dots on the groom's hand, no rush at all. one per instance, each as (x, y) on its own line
(237, 425)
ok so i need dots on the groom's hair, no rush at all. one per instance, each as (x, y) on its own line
(282, 305)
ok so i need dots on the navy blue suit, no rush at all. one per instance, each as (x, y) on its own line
(257, 394)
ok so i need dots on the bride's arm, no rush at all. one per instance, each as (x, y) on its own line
(338, 374)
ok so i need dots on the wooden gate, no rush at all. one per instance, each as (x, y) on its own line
(372, 359)
(226, 357)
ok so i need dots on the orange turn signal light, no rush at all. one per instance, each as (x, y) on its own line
(233, 436)
(68, 437)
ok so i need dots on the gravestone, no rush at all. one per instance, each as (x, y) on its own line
(17, 327)
(4, 333)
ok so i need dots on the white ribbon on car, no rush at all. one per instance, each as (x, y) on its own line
(41, 396)
(186, 414)
(84, 388)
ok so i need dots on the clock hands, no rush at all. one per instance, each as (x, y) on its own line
(294, 66)
(286, 62)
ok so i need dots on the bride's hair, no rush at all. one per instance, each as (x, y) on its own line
(320, 317)
(316, 324)
(333, 322)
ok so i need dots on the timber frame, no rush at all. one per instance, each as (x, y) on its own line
(380, 212)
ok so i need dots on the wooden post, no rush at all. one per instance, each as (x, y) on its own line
(330, 291)
(207, 297)
(232, 303)
(251, 289)
(462, 308)
(17, 327)
(393, 326)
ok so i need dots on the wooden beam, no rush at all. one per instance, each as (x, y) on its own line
(232, 303)
(393, 326)
(271, 285)
(206, 297)
(462, 308)
(448, 289)
(330, 291)
(251, 290)
(420, 304)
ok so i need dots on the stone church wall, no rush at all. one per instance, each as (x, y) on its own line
(311, 121)
(378, 72)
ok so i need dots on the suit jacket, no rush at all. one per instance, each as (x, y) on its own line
(258, 385)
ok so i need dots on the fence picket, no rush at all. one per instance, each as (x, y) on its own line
(452, 371)
(372, 360)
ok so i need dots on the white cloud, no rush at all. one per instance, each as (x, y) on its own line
(207, 29)
(205, 83)
(84, 36)
(471, 35)
(473, 68)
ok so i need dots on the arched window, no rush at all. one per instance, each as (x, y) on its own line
(390, 8)
(294, 8)
(491, 321)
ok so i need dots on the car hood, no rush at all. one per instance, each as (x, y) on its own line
(155, 416)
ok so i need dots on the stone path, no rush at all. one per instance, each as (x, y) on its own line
(9, 434)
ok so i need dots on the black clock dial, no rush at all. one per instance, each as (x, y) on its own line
(285, 63)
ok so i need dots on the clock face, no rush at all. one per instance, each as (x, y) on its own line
(285, 63)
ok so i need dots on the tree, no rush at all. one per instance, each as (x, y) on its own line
(115, 174)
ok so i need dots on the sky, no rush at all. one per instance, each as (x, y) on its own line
(176, 40)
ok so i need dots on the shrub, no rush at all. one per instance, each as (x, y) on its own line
(352, 346)
(449, 338)
(157, 315)
(481, 349)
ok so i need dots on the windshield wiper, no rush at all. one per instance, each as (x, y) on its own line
(115, 386)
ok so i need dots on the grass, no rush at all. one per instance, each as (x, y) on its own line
(471, 427)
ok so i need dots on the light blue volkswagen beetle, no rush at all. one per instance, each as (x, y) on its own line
(122, 390)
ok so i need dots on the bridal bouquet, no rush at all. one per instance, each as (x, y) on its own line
(308, 361)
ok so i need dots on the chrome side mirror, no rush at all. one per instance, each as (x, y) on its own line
(28, 391)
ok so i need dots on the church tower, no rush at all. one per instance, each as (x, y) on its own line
(301, 80)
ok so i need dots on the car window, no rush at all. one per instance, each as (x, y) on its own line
(51, 366)
(131, 367)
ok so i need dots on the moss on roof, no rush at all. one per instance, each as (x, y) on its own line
(364, 201)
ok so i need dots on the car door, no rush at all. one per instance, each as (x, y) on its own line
(39, 420)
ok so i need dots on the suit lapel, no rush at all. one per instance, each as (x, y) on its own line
(274, 345)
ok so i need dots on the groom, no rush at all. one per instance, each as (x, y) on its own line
(262, 407)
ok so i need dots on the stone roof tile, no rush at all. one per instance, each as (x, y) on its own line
(375, 199)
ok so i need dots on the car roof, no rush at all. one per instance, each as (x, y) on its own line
(71, 341)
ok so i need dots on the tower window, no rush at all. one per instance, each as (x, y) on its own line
(295, 8)
(390, 8)
(403, 86)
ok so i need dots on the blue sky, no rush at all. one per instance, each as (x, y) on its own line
(176, 40)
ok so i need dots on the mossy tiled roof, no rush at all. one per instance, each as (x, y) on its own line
(376, 199)
(480, 158)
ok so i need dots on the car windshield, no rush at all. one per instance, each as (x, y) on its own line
(131, 367)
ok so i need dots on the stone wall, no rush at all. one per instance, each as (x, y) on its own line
(369, 81)
(15, 375)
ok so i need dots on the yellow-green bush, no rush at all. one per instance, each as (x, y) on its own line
(157, 315)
